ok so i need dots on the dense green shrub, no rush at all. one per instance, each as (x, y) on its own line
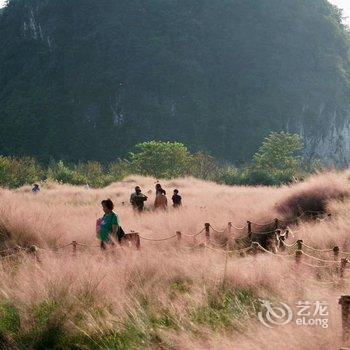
(62, 173)
(120, 169)
(229, 176)
(95, 174)
(16, 172)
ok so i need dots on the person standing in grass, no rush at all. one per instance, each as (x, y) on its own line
(159, 189)
(177, 199)
(137, 199)
(36, 189)
(161, 202)
(109, 225)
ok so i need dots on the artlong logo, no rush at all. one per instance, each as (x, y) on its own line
(308, 314)
(274, 315)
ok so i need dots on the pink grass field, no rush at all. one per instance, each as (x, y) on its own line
(116, 280)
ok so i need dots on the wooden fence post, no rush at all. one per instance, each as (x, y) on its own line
(300, 244)
(299, 251)
(178, 235)
(344, 301)
(255, 247)
(336, 253)
(74, 245)
(343, 263)
(298, 254)
(207, 231)
(229, 227)
(249, 227)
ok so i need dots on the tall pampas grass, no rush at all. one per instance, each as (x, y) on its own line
(166, 296)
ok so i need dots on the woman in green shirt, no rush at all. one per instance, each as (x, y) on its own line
(109, 225)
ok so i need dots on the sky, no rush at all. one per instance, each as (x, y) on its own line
(344, 4)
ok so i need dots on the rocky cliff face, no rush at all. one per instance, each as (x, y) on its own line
(331, 146)
(88, 79)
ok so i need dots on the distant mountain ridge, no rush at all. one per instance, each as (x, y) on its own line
(88, 79)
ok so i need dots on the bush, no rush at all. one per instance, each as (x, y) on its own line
(253, 176)
(16, 172)
(314, 198)
(94, 173)
(246, 176)
(161, 159)
(204, 166)
(62, 173)
(278, 152)
(229, 176)
(120, 169)
(276, 161)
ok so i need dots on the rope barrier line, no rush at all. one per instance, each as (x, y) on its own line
(217, 231)
(48, 250)
(245, 239)
(290, 245)
(318, 250)
(263, 233)
(65, 246)
(261, 225)
(223, 245)
(158, 239)
(310, 265)
(228, 251)
(89, 246)
(263, 249)
(292, 250)
(195, 234)
(318, 259)
(239, 228)
(275, 255)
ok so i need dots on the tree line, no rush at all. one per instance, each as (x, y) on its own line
(276, 162)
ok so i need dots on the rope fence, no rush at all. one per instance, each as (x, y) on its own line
(251, 239)
(336, 268)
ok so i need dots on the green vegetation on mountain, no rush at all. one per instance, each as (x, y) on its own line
(87, 80)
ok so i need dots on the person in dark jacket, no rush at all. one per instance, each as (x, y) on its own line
(177, 199)
(138, 199)
(36, 189)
